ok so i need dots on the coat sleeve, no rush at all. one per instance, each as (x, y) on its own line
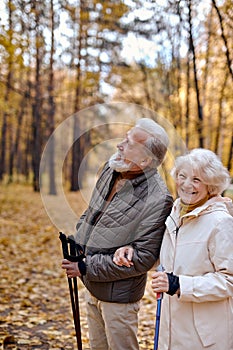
(81, 220)
(217, 285)
(146, 243)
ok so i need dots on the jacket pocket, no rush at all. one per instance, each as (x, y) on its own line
(210, 323)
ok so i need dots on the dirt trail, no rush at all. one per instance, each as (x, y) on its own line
(35, 310)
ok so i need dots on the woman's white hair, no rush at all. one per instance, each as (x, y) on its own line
(157, 141)
(209, 168)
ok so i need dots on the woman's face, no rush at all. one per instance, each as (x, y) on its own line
(189, 186)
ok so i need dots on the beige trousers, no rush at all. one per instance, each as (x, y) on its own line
(112, 326)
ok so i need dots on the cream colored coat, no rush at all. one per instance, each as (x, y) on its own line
(201, 254)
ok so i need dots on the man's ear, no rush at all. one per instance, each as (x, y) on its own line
(145, 162)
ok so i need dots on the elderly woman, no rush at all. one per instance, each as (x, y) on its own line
(197, 255)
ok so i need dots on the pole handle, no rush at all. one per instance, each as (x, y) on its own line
(77, 254)
(159, 268)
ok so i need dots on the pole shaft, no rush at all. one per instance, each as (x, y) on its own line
(73, 288)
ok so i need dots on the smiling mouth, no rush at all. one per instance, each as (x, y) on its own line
(188, 193)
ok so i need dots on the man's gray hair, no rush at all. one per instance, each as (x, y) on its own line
(157, 142)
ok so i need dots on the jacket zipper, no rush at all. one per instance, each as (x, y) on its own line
(176, 235)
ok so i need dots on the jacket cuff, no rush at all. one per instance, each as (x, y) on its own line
(82, 267)
(174, 284)
(186, 287)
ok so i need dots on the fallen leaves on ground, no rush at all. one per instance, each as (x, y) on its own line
(35, 311)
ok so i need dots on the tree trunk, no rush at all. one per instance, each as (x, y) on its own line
(51, 112)
(187, 102)
(3, 141)
(15, 145)
(229, 61)
(6, 96)
(77, 149)
(230, 157)
(36, 107)
(199, 106)
(220, 114)
(146, 85)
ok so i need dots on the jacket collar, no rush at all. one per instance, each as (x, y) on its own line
(213, 204)
(219, 203)
(141, 176)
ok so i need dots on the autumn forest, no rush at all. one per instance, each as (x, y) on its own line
(74, 75)
(61, 57)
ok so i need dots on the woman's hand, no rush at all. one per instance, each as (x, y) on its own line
(71, 268)
(159, 283)
(123, 256)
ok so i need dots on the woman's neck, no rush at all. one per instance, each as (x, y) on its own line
(187, 208)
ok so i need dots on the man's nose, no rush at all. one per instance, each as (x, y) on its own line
(120, 145)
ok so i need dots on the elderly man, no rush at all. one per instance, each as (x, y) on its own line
(129, 206)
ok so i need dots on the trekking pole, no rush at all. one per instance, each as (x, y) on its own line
(158, 313)
(73, 287)
(76, 300)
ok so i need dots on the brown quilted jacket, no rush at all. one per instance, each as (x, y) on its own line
(135, 216)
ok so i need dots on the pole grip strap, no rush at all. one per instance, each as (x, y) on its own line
(76, 250)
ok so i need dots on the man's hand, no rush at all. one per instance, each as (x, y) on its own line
(71, 268)
(123, 256)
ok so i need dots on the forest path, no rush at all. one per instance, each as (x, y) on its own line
(35, 311)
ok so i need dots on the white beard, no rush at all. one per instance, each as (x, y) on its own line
(119, 164)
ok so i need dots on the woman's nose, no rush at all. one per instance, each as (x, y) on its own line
(187, 182)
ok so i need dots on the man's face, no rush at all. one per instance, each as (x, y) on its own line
(131, 151)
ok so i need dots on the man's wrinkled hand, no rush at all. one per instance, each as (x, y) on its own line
(123, 256)
(71, 268)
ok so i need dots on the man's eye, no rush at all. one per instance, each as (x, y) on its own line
(129, 144)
